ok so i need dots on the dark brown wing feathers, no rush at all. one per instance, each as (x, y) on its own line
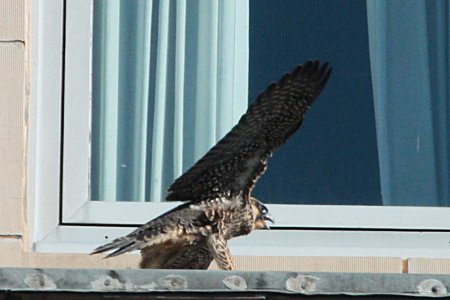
(196, 257)
(236, 162)
(182, 216)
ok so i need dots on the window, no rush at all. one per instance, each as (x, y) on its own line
(361, 145)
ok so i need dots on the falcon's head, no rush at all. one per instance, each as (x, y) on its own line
(261, 215)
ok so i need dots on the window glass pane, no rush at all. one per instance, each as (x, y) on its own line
(169, 80)
(122, 108)
(332, 159)
(378, 134)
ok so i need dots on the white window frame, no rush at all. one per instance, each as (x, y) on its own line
(327, 230)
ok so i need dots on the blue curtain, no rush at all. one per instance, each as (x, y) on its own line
(409, 54)
(169, 79)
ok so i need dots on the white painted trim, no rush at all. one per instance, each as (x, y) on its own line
(118, 212)
(44, 118)
(361, 217)
(296, 216)
(77, 104)
(75, 239)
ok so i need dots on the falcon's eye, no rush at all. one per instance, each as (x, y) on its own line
(264, 209)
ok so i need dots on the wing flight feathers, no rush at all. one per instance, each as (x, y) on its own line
(237, 161)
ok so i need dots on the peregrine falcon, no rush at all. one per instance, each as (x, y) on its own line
(218, 187)
(191, 235)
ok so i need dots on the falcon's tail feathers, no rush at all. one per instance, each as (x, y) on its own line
(121, 245)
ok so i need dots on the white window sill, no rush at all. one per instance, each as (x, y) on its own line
(83, 239)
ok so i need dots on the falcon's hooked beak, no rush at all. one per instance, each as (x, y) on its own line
(262, 215)
(268, 217)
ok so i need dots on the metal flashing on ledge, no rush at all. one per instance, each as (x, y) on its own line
(228, 284)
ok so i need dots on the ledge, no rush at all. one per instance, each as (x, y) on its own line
(174, 283)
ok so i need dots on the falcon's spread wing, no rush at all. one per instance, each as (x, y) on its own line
(235, 163)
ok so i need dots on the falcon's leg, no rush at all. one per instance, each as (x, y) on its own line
(220, 251)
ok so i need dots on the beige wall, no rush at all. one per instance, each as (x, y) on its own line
(14, 82)
(12, 125)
